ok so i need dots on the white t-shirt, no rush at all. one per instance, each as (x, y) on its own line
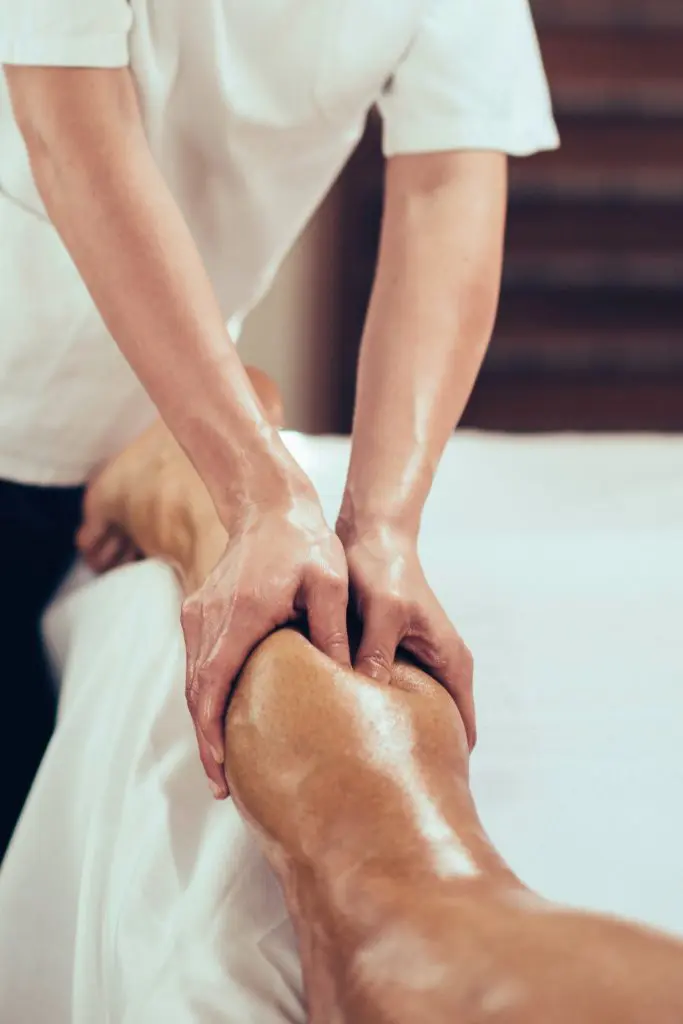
(251, 110)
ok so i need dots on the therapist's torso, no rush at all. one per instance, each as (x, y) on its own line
(251, 110)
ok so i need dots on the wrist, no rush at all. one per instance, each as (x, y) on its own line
(257, 474)
(211, 528)
(360, 523)
(384, 493)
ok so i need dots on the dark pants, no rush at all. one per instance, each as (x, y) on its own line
(37, 528)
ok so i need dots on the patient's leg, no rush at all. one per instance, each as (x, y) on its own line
(404, 911)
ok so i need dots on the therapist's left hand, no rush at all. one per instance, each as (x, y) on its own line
(397, 607)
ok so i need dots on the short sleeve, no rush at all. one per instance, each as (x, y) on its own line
(473, 78)
(69, 33)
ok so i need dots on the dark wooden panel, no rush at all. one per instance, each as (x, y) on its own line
(583, 402)
(616, 227)
(608, 309)
(630, 68)
(607, 156)
(613, 13)
(604, 54)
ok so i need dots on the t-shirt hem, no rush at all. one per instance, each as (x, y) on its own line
(25, 471)
(424, 137)
(100, 51)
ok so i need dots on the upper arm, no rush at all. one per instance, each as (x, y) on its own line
(453, 203)
(61, 56)
(71, 109)
(468, 174)
(473, 79)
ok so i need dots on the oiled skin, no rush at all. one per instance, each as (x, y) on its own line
(405, 912)
(359, 794)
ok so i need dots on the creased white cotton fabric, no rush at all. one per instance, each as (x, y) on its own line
(130, 897)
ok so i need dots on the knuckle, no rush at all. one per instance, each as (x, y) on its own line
(189, 613)
(377, 659)
(336, 583)
(194, 689)
(396, 602)
(334, 640)
(418, 618)
(402, 610)
(324, 572)
(192, 695)
(383, 604)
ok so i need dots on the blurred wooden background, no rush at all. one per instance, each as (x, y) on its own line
(590, 331)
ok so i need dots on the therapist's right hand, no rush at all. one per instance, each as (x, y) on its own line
(281, 564)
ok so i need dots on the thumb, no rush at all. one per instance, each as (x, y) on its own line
(326, 601)
(93, 529)
(380, 638)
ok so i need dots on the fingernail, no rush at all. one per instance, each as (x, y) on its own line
(217, 755)
(217, 790)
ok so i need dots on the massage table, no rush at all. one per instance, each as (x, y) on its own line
(129, 895)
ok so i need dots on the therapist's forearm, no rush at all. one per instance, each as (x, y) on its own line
(428, 326)
(128, 239)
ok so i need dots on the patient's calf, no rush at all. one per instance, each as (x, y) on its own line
(404, 911)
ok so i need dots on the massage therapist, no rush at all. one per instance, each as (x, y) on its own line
(158, 158)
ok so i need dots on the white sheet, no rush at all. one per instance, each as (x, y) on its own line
(129, 896)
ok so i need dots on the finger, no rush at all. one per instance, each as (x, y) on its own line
(213, 769)
(92, 551)
(130, 554)
(109, 552)
(449, 661)
(91, 534)
(382, 630)
(127, 554)
(93, 528)
(325, 599)
(215, 773)
(191, 622)
(215, 676)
